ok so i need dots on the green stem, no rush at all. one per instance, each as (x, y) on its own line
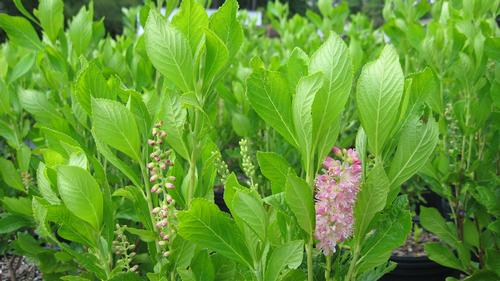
(194, 157)
(350, 274)
(310, 271)
(328, 267)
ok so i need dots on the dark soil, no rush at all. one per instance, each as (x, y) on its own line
(18, 268)
(415, 248)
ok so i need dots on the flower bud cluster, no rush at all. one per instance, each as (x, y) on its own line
(27, 179)
(124, 249)
(165, 222)
(336, 191)
(221, 166)
(159, 162)
(454, 137)
(247, 163)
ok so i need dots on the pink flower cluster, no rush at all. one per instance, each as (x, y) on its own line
(336, 193)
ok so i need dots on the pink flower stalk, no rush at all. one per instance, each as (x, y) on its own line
(336, 193)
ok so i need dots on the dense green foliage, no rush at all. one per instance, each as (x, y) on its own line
(113, 150)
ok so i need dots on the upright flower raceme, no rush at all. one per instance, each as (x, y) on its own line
(336, 193)
(165, 215)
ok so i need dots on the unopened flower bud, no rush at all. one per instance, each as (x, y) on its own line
(151, 142)
(153, 178)
(162, 243)
(134, 268)
(337, 151)
(166, 237)
(172, 178)
(155, 210)
(150, 165)
(169, 185)
(169, 198)
(163, 166)
(163, 134)
(166, 254)
(155, 131)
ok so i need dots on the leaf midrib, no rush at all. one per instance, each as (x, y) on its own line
(221, 239)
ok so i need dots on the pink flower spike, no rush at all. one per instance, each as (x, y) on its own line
(336, 192)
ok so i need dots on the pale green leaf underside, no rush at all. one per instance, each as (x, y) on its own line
(379, 93)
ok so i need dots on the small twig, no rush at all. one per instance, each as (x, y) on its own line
(12, 270)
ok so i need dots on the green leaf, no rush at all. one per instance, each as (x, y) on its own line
(181, 253)
(80, 30)
(10, 223)
(143, 234)
(493, 260)
(169, 51)
(371, 200)
(333, 60)
(174, 118)
(115, 126)
(226, 25)
(203, 267)
(40, 217)
(22, 67)
(268, 95)
(287, 255)
(482, 275)
(307, 89)
(379, 93)
(205, 225)
(23, 155)
(433, 222)
(299, 197)
(44, 186)
(216, 58)
(442, 255)
(19, 206)
(126, 276)
(416, 144)
(91, 83)
(20, 32)
(471, 233)
(275, 168)
(390, 231)
(117, 162)
(19, 5)
(249, 209)
(51, 16)
(191, 20)
(39, 105)
(10, 175)
(81, 194)
(140, 203)
(425, 88)
(296, 68)
(74, 278)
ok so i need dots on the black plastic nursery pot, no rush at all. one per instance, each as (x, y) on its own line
(418, 269)
(219, 199)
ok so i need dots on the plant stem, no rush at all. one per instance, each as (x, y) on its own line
(194, 157)
(310, 271)
(350, 274)
(328, 267)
